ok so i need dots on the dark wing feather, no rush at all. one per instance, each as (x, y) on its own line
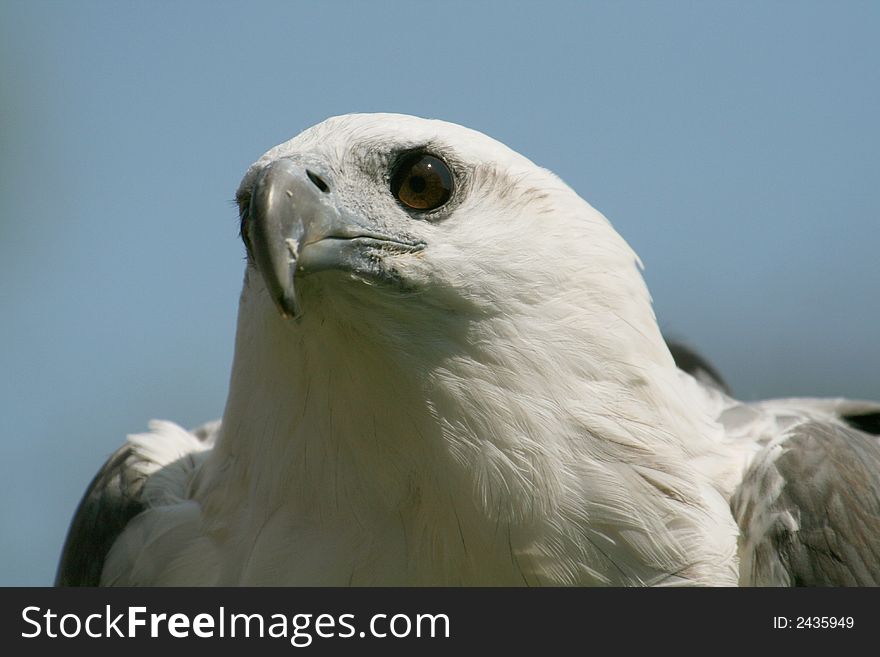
(690, 361)
(111, 501)
(114, 496)
(869, 422)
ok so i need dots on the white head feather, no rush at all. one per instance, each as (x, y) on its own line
(508, 413)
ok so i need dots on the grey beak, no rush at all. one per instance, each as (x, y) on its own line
(295, 227)
(283, 198)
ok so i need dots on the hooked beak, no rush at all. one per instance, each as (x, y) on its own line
(295, 227)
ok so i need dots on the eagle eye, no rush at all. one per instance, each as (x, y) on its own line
(421, 182)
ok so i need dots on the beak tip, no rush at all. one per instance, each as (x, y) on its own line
(289, 308)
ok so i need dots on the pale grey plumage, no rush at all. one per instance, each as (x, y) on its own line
(810, 505)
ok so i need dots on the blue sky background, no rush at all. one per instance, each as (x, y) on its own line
(734, 144)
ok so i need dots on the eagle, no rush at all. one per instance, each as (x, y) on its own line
(448, 371)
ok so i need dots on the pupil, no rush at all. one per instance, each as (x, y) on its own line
(417, 184)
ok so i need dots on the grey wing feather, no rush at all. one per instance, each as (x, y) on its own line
(810, 513)
(110, 502)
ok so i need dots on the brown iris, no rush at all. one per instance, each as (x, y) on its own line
(422, 182)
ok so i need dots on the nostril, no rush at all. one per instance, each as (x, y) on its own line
(318, 181)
